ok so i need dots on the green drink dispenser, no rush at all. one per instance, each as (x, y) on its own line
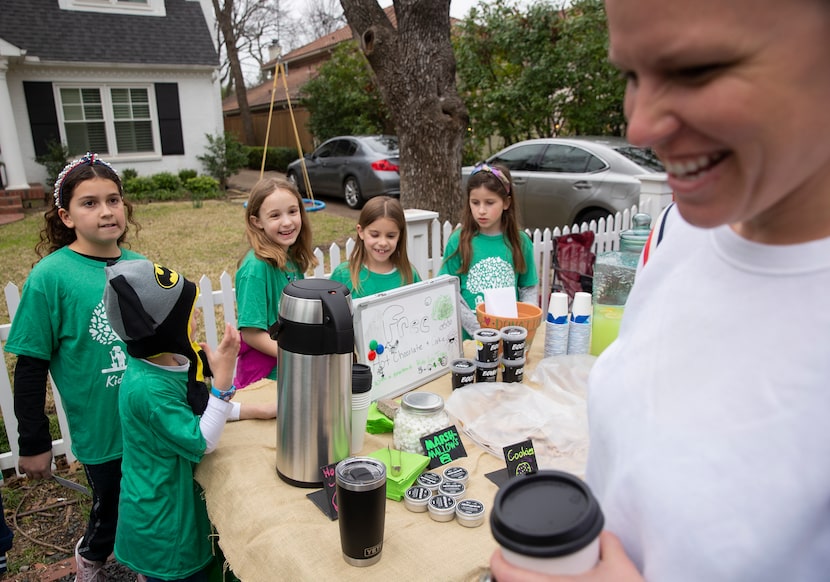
(613, 277)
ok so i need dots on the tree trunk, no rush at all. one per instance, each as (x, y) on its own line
(415, 70)
(225, 21)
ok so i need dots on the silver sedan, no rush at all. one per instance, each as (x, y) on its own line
(355, 167)
(562, 181)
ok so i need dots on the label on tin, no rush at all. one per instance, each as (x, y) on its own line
(456, 473)
(451, 488)
(429, 480)
(442, 502)
(418, 493)
(470, 507)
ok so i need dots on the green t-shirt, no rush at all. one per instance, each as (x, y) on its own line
(61, 318)
(259, 288)
(163, 527)
(491, 266)
(370, 282)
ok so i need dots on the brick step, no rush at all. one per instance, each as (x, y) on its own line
(32, 197)
(11, 200)
(11, 209)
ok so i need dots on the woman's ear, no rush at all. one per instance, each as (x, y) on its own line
(360, 232)
(255, 222)
(508, 201)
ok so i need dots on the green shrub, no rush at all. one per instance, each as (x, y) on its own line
(128, 173)
(187, 174)
(139, 188)
(166, 181)
(201, 188)
(224, 157)
(54, 161)
(276, 160)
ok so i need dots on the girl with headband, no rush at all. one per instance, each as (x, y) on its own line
(61, 327)
(489, 251)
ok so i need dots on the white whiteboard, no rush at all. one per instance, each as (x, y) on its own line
(408, 336)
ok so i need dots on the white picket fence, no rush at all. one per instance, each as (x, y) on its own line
(430, 252)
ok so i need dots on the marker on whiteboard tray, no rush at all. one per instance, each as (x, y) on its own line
(556, 331)
(579, 334)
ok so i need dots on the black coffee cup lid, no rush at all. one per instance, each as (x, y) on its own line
(545, 514)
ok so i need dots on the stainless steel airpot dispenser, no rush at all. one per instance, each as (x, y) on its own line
(315, 337)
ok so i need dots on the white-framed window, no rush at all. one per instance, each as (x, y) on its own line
(116, 120)
(144, 7)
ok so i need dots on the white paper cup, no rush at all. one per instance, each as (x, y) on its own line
(548, 522)
(360, 414)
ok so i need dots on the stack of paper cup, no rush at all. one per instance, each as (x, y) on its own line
(579, 335)
(556, 332)
(361, 400)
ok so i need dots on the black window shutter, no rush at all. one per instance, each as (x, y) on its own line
(170, 119)
(43, 117)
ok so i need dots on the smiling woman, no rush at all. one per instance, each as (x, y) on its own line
(698, 432)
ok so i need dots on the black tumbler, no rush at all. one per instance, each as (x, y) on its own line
(361, 508)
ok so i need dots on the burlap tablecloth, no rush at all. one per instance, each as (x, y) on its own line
(268, 530)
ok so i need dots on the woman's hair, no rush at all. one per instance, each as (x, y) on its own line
(495, 178)
(377, 208)
(55, 234)
(264, 248)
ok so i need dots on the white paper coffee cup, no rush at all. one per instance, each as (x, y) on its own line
(548, 522)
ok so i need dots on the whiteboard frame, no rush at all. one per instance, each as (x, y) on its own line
(430, 286)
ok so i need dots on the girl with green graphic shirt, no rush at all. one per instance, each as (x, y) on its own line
(279, 232)
(61, 328)
(379, 261)
(489, 251)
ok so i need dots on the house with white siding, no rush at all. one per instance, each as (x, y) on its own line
(133, 80)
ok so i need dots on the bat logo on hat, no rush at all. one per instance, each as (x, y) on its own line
(166, 278)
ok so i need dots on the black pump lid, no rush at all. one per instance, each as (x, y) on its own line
(333, 335)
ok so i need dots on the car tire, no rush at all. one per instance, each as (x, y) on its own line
(294, 179)
(351, 192)
(590, 214)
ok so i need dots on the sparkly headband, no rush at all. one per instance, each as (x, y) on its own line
(89, 159)
(496, 172)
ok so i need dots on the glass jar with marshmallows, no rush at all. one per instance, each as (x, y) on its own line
(421, 413)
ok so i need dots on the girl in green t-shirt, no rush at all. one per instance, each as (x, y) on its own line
(279, 232)
(379, 262)
(61, 327)
(489, 251)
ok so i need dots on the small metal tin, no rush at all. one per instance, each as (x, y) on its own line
(470, 512)
(459, 474)
(430, 480)
(441, 507)
(416, 498)
(454, 489)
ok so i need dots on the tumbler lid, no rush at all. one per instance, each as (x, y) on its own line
(360, 473)
(545, 514)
